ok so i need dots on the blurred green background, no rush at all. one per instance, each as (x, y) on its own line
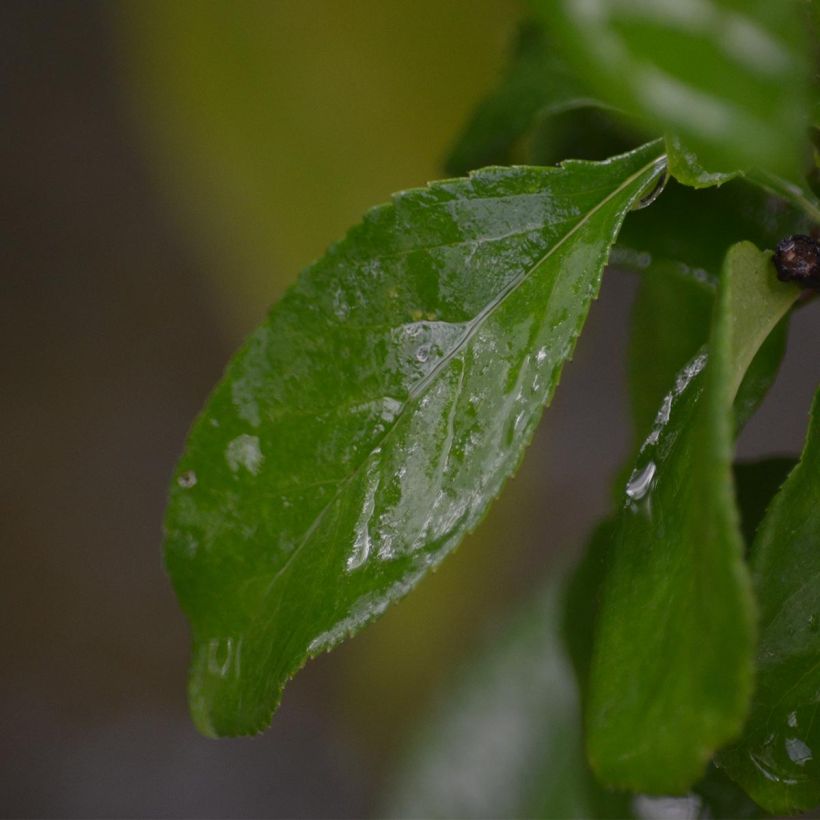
(168, 168)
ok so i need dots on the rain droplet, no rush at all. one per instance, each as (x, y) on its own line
(423, 353)
(798, 751)
(187, 479)
(652, 192)
(221, 656)
(640, 481)
(244, 451)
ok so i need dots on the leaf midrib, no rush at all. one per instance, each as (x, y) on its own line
(473, 327)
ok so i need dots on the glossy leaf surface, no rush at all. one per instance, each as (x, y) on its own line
(662, 699)
(729, 77)
(776, 760)
(366, 426)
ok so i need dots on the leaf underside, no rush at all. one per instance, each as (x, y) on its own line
(365, 427)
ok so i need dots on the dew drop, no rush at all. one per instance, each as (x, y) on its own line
(244, 451)
(640, 481)
(221, 656)
(187, 479)
(423, 353)
(798, 751)
(652, 192)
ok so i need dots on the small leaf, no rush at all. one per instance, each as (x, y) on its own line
(687, 168)
(671, 669)
(364, 429)
(777, 760)
(729, 77)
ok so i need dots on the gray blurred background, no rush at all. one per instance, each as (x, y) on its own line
(167, 168)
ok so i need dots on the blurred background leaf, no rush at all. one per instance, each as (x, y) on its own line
(730, 77)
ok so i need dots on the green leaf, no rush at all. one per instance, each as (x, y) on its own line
(686, 167)
(729, 77)
(776, 759)
(670, 322)
(677, 246)
(505, 740)
(693, 229)
(715, 795)
(671, 670)
(365, 427)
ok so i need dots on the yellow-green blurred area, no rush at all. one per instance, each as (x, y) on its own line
(167, 169)
(275, 125)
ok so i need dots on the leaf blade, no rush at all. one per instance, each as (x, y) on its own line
(774, 760)
(662, 700)
(361, 432)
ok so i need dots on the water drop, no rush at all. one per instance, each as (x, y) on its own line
(221, 656)
(244, 451)
(652, 192)
(640, 481)
(792, 720)
(187, 479)
(798, 751)
(362, 542)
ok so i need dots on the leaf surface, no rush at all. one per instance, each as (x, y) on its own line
(729, 77)
(677, 246)
(776, 760)
(672, 664)
(365, 427)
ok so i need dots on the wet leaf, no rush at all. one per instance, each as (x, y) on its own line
(776, 760)
(677, 246)
(686, 167)
(729, 77)
(504, 739)
(670, 322)
(365, 427)
(662, 697)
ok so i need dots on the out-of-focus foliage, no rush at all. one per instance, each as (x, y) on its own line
(729, 77)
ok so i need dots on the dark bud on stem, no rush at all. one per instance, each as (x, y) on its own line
(797, 259)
